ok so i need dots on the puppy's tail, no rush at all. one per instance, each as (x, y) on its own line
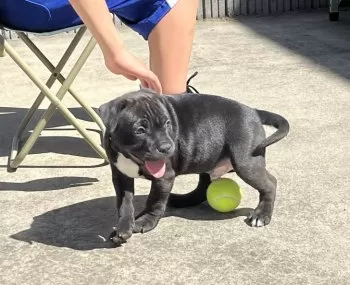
(275, 120)
(194, 198)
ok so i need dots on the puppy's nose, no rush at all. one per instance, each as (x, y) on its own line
(164, 148)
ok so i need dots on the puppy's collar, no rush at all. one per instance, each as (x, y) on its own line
(134, 158)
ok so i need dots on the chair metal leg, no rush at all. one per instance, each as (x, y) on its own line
(95, 117)
(61, 78)
(56, 70)
(56, 103)
(2, 44)
(334, 10)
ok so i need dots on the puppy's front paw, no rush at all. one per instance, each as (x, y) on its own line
(116, 238)
(258, 219)
(145, 223)
(122, 232)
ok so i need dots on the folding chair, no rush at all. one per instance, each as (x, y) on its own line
(334, 10)
(62, 19)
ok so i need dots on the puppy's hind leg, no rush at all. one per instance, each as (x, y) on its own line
(252, 170)
(193, 198)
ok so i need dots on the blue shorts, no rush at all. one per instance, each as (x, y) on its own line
(142, 15)
(51, 15)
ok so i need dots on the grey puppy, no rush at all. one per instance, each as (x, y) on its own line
(160, 137)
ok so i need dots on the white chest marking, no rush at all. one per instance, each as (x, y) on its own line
(127, 166)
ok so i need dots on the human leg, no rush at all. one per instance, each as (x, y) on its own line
(170, 45)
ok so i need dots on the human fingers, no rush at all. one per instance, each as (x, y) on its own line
(153, 82)
(144, 83)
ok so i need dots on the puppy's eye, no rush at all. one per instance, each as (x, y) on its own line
(168, 124)
(140, 131)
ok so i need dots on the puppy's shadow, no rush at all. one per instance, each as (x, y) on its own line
(47, 184)
(203, 212)
(87, 225)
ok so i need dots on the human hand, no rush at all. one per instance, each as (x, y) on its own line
(118, 60)
(124, 63)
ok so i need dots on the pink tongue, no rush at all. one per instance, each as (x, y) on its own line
(156, 168)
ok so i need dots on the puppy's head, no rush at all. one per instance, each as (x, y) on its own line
(139, 126)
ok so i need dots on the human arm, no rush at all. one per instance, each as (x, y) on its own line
(96, 17)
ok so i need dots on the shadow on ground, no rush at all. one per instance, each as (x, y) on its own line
(59, 144)
(47, 184)
(85, 225)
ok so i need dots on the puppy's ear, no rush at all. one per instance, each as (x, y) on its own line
(109, 112)
(104, 112)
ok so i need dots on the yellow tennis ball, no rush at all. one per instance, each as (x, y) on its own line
(224, 195)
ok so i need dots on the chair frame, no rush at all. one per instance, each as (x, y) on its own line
(18, 153)
(333, 10)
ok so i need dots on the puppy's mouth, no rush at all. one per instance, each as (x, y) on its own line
(156, 167)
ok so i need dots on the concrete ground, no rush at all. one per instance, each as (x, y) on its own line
(55, 209)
